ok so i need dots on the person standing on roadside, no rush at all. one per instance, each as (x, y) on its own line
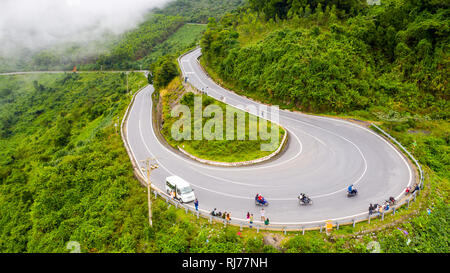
(262, 215)
(251, 220)
(196, 204)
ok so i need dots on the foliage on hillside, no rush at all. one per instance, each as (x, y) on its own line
(395, 54)
(198, 11)
(282, 9)
(140, 42)
(186, 36)
(64, 174)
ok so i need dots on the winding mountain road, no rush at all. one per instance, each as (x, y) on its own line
(323, 156)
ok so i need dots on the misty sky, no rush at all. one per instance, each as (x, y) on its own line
(34, 24)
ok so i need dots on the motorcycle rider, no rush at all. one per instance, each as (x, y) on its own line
(303, 198)
(351, 190)
(260, 199)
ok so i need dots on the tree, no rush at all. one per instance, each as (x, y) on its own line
(164, 71)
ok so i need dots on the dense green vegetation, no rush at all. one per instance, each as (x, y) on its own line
(282, 9)
(395, 54)
(186, 36)
(199, 11)
(140, 42)
(216, 150)
(163, 71)
(64, 174)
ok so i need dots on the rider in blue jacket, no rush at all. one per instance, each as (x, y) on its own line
(350, 188)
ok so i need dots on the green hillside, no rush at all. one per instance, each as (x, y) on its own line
(336, 59)
(64, 173)
(199, 11)
(186, 36)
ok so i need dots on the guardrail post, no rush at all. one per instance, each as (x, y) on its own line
(186, 209)
(240, 227)
(156, 194)
(354, 223)
(284, 230)
(369, 218)
(303, 231)
(176, 205)
(198, 214)
(393, 210)
(415, 196)
(257, 229)
(382, 216)
(409, 199)
(210, 219)
(321, 227)
(337, 225)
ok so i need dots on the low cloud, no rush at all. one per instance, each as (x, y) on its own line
(36, 24)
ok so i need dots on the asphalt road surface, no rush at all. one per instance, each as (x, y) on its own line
(323, 157)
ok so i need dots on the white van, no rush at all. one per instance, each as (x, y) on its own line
(182, 189)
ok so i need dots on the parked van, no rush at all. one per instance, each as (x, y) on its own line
(183, 191)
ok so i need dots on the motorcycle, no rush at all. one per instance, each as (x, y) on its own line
(263, 203)
(352, 193)
(304, 200)
(216, 213)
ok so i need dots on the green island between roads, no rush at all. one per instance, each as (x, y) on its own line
(230, 151)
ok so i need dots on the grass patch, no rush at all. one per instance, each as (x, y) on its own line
(216, 150)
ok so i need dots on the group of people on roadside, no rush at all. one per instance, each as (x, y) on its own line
(391, 201)
(381, 208)
(225, 215)
(263, 218)
(408, 189)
